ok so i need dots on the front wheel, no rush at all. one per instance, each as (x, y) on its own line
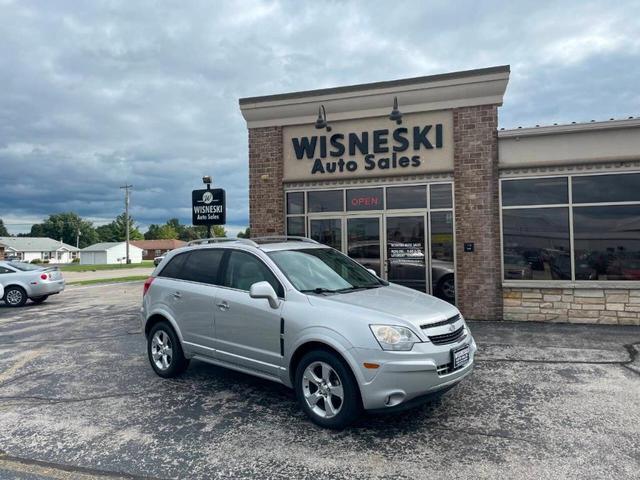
(165, 352)
(327, 390)
(39, 299)
(15, 296)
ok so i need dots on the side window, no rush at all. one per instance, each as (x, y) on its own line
(244, 269)
(174, 267)
(203, 266)
(5, 270)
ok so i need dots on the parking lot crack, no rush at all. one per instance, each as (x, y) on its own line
(47, 400)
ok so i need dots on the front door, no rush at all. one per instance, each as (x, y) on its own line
(363, 241)
(247, 330)
(406, 259)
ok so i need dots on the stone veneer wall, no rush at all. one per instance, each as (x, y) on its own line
(266, 196)
(619, 306)
(478, 275)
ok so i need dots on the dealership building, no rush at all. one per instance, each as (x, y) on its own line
(413, 179)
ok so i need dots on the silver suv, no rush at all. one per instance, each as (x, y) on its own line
(294, 311)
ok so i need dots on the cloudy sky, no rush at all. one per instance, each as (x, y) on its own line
(96, 94)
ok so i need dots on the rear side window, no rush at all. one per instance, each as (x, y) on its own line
(202, 266)
(244, 269)
(5, 270)
(174, 267)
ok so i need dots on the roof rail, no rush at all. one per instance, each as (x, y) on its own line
(283, 238)
(204, 241)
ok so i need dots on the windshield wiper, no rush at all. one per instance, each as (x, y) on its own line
(319, 290)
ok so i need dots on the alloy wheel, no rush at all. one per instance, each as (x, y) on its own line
(13, 297)
(161, 350)
(322, 389)
(449, 288)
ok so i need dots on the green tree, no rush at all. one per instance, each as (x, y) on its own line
(67, 226)
(116, 231)
(106, 233)
(161, 232)
(3, 230)
(245, 234)
(194, 233)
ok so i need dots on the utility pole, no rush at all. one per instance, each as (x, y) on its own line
(126, 189)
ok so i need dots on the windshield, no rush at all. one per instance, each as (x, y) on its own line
(323, 270)
(25, 267)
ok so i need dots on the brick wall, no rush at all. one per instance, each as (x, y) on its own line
(620, 306)
(478, 276)
(266, 197)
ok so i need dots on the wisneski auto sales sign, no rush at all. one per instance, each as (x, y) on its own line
(378, 147)
(208, 207)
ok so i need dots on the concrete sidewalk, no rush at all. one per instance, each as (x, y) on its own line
(99, 274)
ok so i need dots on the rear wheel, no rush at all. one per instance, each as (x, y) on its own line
(327, 390)
(165, 352)
(15, 296)
(39, 299)
(447, 288)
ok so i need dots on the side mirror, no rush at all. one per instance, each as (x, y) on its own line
(265, 290)
(372, 271)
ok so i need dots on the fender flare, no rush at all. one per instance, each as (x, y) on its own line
(166, 315)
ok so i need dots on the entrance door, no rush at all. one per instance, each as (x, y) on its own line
(406, 247)
(327, 231)
(363, 241)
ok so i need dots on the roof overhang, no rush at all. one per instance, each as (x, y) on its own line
(435, 92)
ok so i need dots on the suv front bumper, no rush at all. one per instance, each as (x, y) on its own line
(404, 377)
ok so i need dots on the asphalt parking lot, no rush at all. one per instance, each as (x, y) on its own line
(79, 400)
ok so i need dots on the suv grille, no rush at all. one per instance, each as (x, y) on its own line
(449, 320)
(447, 337)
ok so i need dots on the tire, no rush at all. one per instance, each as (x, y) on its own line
(165, 351)
(15, 296)
(447, 288)
(39, 299)
(322, 366)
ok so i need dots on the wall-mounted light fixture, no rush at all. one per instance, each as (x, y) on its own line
(395, 115)
(321, 121)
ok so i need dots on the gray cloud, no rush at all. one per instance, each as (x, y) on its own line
(95, 94)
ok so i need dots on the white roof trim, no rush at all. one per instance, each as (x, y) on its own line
(569, 128)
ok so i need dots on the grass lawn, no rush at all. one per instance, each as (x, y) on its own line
(76, 267)
(132, 278)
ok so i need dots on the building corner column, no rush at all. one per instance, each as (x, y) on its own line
(477, 212)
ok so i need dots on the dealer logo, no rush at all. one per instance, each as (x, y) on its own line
(207, 197)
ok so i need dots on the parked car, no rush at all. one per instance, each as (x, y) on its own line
(516, 267)
(157, 260)
(309, 317)
(22, 281)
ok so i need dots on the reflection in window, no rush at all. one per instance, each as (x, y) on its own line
(442, 267)
(411, 196)
(607, 242)
(295, 226)
(327, 232)
(606, 188)
(536, 244)
(535, 191)
(325, 201)
(441, 196)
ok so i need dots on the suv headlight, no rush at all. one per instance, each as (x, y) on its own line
(394, 337)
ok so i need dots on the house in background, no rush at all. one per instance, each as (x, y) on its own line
(28, 249)
(110, 253)
(155, 248)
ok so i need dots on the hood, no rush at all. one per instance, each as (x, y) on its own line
(396, 301)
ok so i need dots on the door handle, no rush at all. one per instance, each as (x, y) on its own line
(223, 305)
(177, 295)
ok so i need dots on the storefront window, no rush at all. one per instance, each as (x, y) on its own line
(536, 244)
(295, 226)
(441, 196)
(535, 191)
(605, 234)
(442, 265)
(607, 242)
(295, 203)
(325, 201)
(327, 232)
(365, 199)
(412, 196)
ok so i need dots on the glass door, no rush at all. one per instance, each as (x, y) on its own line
(406, 260)
(327, 231)
(363, 241)
(442, 259)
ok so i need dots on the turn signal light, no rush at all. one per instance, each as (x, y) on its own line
(371, 365)
(147, 284)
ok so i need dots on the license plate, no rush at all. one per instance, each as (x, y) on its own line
(460, 356)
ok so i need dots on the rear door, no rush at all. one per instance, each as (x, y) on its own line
(189, 287)
(247, 330)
